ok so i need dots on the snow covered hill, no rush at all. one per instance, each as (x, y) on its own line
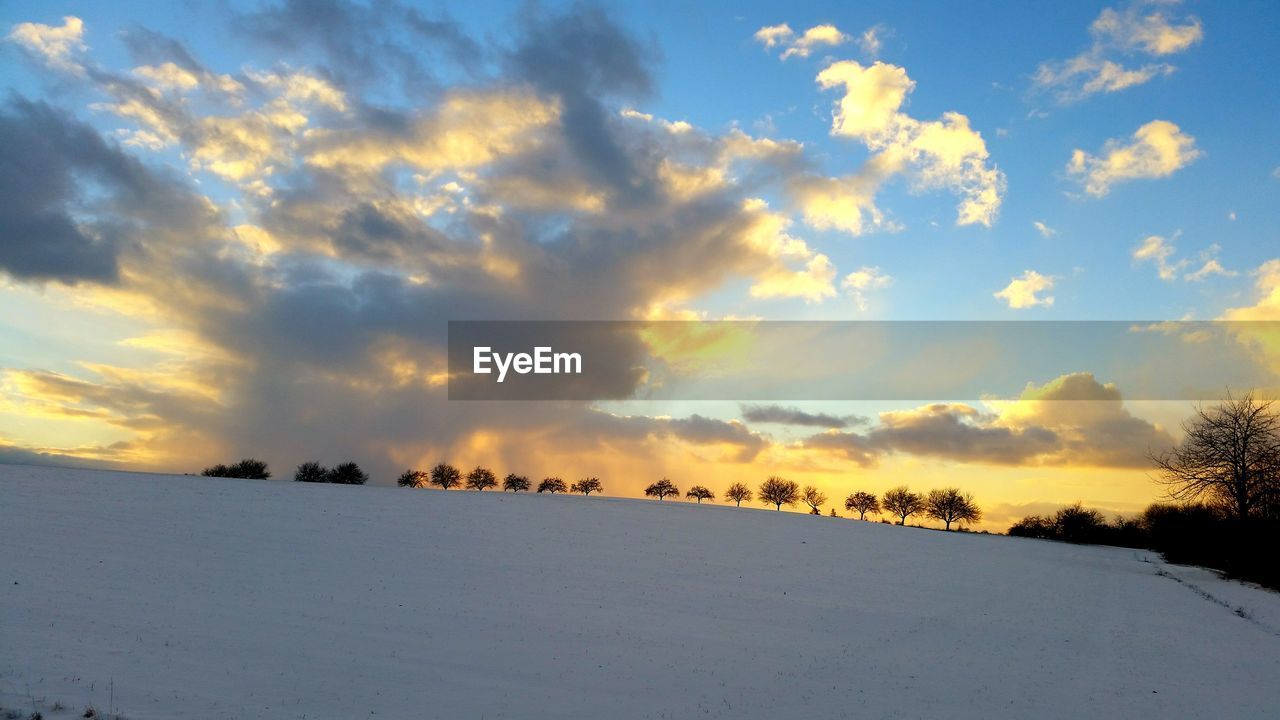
(215, 598)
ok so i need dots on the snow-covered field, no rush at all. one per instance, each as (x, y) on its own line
(211, 598)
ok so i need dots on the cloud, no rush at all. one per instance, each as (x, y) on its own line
(71, 203)
(1117, 36)
(364, 45)
(871, 41)
(782, 415)
(320, 273)
(1072, 420)
(1024, 292)
(58, 47)
(774, 35)
(1044, 230)
(1157, 150)
(862, 280)
(1267, 287)
(943, 153)
(1159, 251)
(842, 203)
(782, 36)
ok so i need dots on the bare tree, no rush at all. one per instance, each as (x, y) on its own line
(552, 485)
(662, 489)
(481, 478)
(1230, 455)
(902, 502)
(700, 493)
(412, 479)
(949, 505)
(515, 483)
(445, 476)
(814, 498)
(779, 491)
(863, 503)
(738, 492)
(586, 486)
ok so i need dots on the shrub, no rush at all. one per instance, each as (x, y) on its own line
(348, 473)
(312, 472)
(247, 468)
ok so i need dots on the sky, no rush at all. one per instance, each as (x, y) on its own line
(237, 229)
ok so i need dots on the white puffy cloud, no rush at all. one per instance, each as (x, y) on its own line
(56, 46)
(1156, 150)
(1118, 35)
(1157, 250)
(1151, 32)
(774, 35)
(1024, 292)
(1267, 285)
(945, 153)
(866, 278)
(782, 36)
(1160, 251)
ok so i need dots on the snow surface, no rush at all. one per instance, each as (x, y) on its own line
(214, 598)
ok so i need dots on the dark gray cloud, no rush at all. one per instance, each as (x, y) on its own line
(43, 157)
(782, 415)
(365, 44)
(957, 432)
(583, 57)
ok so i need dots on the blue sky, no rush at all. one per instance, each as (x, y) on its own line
(268, 209)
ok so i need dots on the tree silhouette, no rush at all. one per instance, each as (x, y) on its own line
(1078, 524)
(348, 473)
(247, 468)
(902, 502)
(738, 492)
(481, 478)
(312, 472)
(586, 486)
(552, 485)
(863, 503)
(515, 483)
(411, 479)
(814, 498)
(700, 493)
(833, 513)
(779, 491)
(445, 476)
(1230, 455)
(662, 489)
(949, 505)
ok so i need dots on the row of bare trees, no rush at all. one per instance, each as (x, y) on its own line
(447, 477)
(948, 505)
